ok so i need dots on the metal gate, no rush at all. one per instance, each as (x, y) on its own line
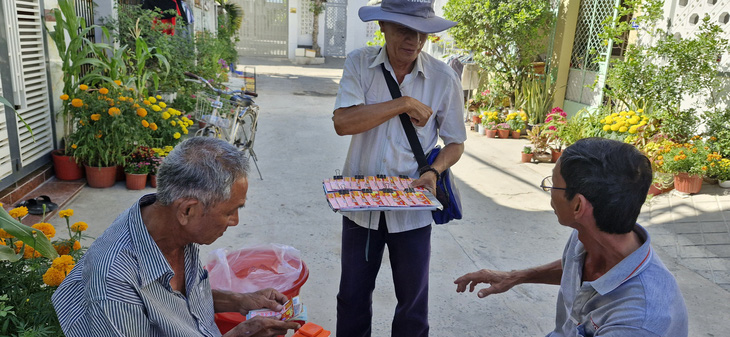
(264, 30)
(590, 56)
(335, 29)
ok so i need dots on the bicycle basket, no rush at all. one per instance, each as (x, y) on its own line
(205, 103)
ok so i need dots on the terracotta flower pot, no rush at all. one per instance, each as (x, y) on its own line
(656, 189)
(66, 167)
(153, 180)
(476, 119)
(491, 133)
(503, 133)
(686, 183)
(526, 157)
(515, 134)
(101, 177)
(555, 155)
(135, 181)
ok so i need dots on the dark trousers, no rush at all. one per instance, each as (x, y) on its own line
(410, 254)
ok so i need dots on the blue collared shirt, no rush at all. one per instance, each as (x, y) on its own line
(384, 149)
(121, 287)
(637, 297)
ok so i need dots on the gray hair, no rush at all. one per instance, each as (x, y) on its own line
(200, 168)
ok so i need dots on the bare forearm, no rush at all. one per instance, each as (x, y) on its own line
(360, 118)
(550, 273)
(448, 156)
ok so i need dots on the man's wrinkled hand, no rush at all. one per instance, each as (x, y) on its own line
(427, 181)
(417, 111)
(499, 282)
(261, 327)
(263, 299)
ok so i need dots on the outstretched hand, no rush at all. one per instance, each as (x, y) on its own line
(261, 327)
(499, 282)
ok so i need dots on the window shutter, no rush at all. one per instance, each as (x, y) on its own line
(6, 165)
(30, 84)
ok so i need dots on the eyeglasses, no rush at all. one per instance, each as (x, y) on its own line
(547, 185)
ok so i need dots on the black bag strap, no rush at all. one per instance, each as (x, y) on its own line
(405, 120)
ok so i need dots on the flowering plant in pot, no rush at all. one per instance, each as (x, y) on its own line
(516, 121)
(688, 162)
(503, 130)
(539, 141)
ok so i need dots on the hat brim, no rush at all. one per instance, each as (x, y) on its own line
(424, 25)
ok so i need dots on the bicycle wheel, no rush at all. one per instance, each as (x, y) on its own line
(246, 130)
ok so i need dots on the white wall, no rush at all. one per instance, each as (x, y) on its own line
(300, 31)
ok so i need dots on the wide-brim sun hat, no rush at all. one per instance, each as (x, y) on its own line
(414, 14)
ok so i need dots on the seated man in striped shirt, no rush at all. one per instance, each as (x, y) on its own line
(611, 281)
(143, 276)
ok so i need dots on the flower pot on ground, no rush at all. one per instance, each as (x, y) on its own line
(527, 157)
(481, 129)
(66, 167)
(515, 134)
(724, 184)
(687, 183)
(543, 157)
(476, 119)
(516, 121)
(491, 133)
(101, 177)
(136, 181)
(153, 180)
(503, 130)
(555, 155)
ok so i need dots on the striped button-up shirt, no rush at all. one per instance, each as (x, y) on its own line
(384, 149)
(121, 287)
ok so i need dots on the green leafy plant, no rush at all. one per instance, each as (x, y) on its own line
(538, 94)
(527, 149)
(538, 139)
(505, 35)
(689, 158)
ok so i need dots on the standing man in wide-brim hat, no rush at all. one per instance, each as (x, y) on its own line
(432, 98)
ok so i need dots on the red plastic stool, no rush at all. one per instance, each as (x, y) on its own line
(311, 330)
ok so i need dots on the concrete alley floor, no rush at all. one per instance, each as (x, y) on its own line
(508, 223)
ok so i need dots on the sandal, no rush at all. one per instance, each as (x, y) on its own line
(35, 206)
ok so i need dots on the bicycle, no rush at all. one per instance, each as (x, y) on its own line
(234, 120)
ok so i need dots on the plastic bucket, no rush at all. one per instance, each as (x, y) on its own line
(264, 258)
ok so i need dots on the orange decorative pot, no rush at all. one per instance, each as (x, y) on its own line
(555, 155)
(101, 177)
(153, 180)
(515, 135)
(135, 181)
(66, 167)
(491, 133)
(503, 133)
(686, 183)
(526, 157)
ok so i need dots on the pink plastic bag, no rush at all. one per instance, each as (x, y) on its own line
(254, 268)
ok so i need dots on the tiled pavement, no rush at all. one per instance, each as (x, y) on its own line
(694, 229)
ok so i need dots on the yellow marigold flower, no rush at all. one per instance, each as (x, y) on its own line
(176, 135)
(153, 126)
(95, 117)
(84, 87)
(622, 129)
(162, 105)
(62, 249)
(606, 127)
(165, 115)
(141, 112)
(185, 131)
(173, 123)
(145, 123)
(117, 82)
(77, 245)
(136, 106)
(18, 212)
(79, 226)
(64, 97)
(53, 277)
(146, 102)
(704, 168)
(190, 122)
(28, 252)
(158, 97)
(63, 263)
(74, 146)
(103, 91)
(46, 228)
(152, 99)
(66, 213)
(114, 111)
(77, 103)
(156, 108)
(5, 235)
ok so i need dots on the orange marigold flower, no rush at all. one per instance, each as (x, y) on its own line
(5, 235)
(114, 111)
(117, 82)
(153, 126)
(79, 226)
(84, 87)
(145, 123)
(74, 146)
(77, 245)
(66, 213)
(142, 112)
(77, 103)
(64, 97)
(48, 230)
(62, 249)
(18, 212)
(103, 91)
(95, 117)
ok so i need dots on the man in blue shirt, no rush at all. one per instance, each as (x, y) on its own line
(143, 276)
(611, 281)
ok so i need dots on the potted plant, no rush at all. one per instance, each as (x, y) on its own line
(503, 130)
(688, 162)
(516, 121)
(156, 160)
(136, 174)
(662, 181)
(555, 123)
(526, 154)
(109, 125)
(721, 171)
(539, 141)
